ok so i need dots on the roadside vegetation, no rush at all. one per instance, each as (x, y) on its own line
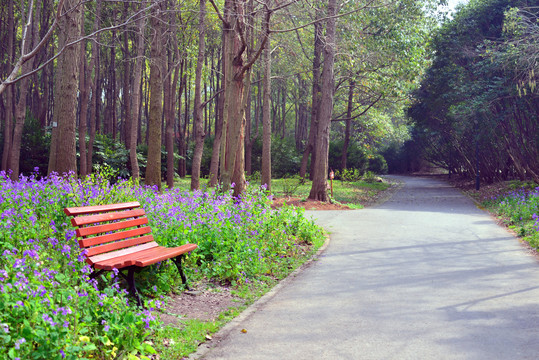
(49, 308)
(517, 204)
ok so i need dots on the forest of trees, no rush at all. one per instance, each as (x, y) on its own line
(477, 108)
(225, 88)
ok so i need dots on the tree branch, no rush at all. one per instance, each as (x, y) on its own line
(329, 17)
(12, 79)
(362, 113)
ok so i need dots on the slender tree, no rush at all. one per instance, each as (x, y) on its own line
(266, 108)
(153, 168)
(63, 157)
(319, 186)
(199, 133)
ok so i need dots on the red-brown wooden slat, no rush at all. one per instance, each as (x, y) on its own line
(119, 253)
(74, 211)
(144, 257)
(121, 258)
(118, 245)
(92, 219)
(113, 237)
(97, 229)
(162, 254)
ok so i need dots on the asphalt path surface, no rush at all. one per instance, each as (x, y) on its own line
(426, 275)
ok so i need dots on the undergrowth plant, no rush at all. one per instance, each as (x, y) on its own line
(50, 309)
(521, 209)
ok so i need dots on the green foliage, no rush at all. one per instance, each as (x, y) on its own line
(469, 105)
(110, 153)
(35, 146)
(403, 158)
(520, 208)
(291, 184)
(370, 177)
(350, 175)
(356, 156)
(285, 159)
(377, 164)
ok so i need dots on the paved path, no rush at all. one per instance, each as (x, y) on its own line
(426, 275)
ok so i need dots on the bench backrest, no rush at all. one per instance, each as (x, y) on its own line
(105, 228)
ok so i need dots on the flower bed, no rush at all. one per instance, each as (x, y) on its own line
(50, 309)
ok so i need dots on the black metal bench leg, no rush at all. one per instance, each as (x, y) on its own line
(132, 286)
(178, 262)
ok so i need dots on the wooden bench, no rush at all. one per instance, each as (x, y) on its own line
(116, 236)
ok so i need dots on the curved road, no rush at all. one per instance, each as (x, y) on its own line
(426, 275)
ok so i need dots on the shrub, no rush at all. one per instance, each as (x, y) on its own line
(356, 157)
(377, 164)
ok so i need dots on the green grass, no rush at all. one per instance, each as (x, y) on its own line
(354, 194)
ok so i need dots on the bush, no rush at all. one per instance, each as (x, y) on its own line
(521, 209)
(377, 164)
(356, 157)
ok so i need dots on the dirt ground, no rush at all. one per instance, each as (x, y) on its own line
(204, 303)
(307, 204)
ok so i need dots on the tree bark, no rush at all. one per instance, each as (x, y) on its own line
(214, 164)
(10, 98)
(311, 142)
(153, 168)
(198, 124)
(63, 156)
(136, 98)
(319, 186)
(20, 108)
(348, 125)
(266, 115)
(95, 89)
(84, 100)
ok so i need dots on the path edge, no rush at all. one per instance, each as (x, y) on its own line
(225, 331)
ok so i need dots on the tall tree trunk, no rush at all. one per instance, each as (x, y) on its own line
(95, 89)
(126, 86)
(181, 138)
(348, 125)
(20, 108)
(234, 121)
(266, 115)
(311, 142)
(171, 122)
(168, 117)
(214, 164)
(301, 126)
(198, 124)
(83, 95)
(153, 168)
(10, 98)
(63, 155)
(136, 98)
(319, 186)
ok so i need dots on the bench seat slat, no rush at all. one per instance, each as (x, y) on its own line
(96, 250)
(143, 257)
(97, 229)
(92, 219)
(98, 240)
(81, 210)
(160, 254)
(101, 258)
